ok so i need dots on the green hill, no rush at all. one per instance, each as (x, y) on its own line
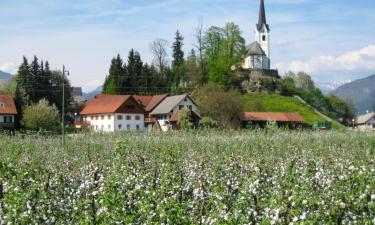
(277, 103)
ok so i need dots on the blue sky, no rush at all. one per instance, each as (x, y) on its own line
(334, 40)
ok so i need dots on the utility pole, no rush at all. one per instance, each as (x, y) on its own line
(63, 106)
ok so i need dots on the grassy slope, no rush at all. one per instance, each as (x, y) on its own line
(277, 103)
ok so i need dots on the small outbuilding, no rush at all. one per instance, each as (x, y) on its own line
(366, 122)
(260, 119)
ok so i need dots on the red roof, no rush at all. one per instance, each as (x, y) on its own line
(102, 104)
(7, 106)
(149, 103)
(272, 116)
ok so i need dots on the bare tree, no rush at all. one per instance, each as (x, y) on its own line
(159, 49)
(199, 46)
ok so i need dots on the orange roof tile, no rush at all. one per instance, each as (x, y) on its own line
(104, 104)
(7, 106)
(272, 116)
(149, 103)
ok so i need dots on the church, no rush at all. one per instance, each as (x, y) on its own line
(258, 57)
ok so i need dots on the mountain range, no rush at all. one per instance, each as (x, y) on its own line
(90, 95)
(4, 79)
(361, 92)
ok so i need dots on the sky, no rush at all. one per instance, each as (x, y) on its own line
(333, 40)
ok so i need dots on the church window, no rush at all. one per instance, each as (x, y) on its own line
(264, 37)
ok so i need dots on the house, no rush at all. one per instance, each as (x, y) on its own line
(110, 113)
(292, 120)
(8, 112)
(166, 113)
(366, 122)
(149, 103)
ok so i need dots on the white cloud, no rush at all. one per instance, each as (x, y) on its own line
(362, 59)
(9, 67)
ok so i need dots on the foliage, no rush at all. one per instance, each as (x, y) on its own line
(208, 122)
(209, 177)
(184, 119)
(225, 107)
(223, 49)
(178, 61)
(35, 81)
(135, 77)
(41, 116)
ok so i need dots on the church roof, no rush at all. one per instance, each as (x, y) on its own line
(262, 17)
(254, 49)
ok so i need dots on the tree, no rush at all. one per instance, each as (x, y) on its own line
(184, 119)
(343, 110)
(192, 67)
(304, 81)
(178, 58)
(224, 50)
(159, 50)
(41, 116)
(225, 107)
(116, 79)
(203, 78)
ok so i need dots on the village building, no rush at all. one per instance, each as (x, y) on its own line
(149, 103)
(8, 112)
(366, 122)
(258, 56)
(166, 114)
(110, 113)
(260, 119)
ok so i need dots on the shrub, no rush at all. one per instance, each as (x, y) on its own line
(41, 116)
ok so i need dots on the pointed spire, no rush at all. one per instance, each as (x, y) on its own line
(262, 16)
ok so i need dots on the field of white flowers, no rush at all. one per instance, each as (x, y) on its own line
(205, 177)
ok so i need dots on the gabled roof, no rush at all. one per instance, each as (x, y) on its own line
(365, 118)
(149, 103)
(255, 49)
(272, 116)
(262, 17)
(169, 103)
(104, 104)
(7, 106)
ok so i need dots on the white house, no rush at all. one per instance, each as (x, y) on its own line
(259, 52)
(366, 122)
(8, 112)
(110, 113)
(168, 110)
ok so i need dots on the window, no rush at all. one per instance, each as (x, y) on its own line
(128, 118)
(185, 99)
(8, 119)
(264, 37)
(120, 117)
(130, 106)
(181, 107)
(102, 117)
(96, 127)
(119, 126)
(128, 127)
(109, 117)
(137, 118)
(137, 127)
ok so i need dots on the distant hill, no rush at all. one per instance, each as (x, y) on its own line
(361, 92)
(5, 76)
(92, 94)
(4, 79)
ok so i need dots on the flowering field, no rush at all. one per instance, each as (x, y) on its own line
(206, 177)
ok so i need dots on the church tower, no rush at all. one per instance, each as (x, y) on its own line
(262, 35)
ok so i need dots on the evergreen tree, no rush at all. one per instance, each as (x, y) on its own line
(192, 67)
(178, 59)
(116, 78)
(134, 70)
(22, 81)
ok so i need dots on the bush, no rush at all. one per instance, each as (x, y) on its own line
(41, 116)
(208, 122)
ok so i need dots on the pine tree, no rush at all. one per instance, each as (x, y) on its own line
(115, 80)
(134, 70)
(178, 58)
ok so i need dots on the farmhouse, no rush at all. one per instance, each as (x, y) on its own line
(366, 122)
(109, 113)
(8, 112)
(291, 120)
(166, 114)
(149, 103)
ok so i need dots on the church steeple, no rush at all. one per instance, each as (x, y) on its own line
(262, 17)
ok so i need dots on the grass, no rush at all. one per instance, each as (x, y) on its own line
(199, 177)
(278, 103)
